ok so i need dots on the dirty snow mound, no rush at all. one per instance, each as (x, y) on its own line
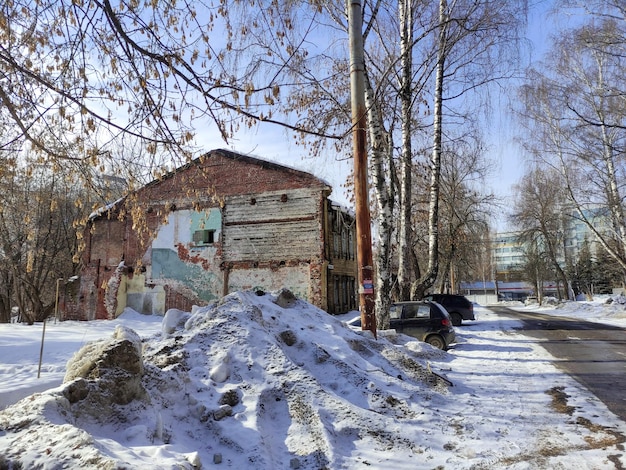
(254, 381)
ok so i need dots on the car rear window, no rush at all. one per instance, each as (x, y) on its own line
(395, 312)
(416, 311)
(442, 312)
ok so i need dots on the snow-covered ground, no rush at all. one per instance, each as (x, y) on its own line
(251, 384)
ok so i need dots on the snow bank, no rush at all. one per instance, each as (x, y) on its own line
(253, 381)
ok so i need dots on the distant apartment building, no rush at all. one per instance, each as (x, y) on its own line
(508, 252)
(577, 232)
(507, 255)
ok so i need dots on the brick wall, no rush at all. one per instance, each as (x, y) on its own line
(291, 225)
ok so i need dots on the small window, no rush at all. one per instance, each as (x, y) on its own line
(423, 311)
(394, 312)
(204, 237)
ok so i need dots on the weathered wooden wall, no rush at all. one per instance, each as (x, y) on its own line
(275, 226)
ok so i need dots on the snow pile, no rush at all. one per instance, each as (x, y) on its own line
(603, 308)
(255, 381)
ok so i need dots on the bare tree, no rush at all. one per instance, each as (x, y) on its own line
(539, 216)
(465, 211)
(465, 61)
(574, 109)
(77, 78)
(406, 93)
(37, 239)
(603, 9)
(536, 269)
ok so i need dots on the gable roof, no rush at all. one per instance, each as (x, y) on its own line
(228, 154)
(261, 162)
(239, 157)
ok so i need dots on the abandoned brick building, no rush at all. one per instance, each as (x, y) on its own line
(222, 223)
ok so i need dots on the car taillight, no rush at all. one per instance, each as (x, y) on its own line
(446, 322)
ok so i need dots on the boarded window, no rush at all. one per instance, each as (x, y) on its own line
(204, 237)
(342, 294)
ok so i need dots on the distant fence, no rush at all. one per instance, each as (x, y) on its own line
(483, 299)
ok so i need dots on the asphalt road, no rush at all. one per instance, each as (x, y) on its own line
(593, 353)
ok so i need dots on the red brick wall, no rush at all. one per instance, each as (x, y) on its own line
(201, 184)
(174, 299)
(223, 176)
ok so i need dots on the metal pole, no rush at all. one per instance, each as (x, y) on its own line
(359, 140)
(56, 302)
(43, 332)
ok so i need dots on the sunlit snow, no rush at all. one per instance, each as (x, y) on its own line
(246, 383)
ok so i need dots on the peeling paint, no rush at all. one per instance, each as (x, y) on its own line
(221, 223)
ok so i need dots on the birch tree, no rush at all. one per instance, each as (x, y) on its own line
(474, 45)
(412, 83)
(575, 108)
(428, 278)
(406, 97)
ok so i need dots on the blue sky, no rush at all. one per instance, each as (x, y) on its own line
(274, 143)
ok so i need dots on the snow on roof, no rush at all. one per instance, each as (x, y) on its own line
(104, 209)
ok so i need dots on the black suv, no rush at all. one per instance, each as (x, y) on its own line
(426, 321)
(457, 306)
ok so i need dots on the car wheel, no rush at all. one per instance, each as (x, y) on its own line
(457, 319)
(436, 342)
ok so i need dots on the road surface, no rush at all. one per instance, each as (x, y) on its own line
(593, 353)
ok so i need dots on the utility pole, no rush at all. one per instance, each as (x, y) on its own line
(359, 141)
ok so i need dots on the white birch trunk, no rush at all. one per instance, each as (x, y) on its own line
(381, 175)
(420, 286)
(406, 163)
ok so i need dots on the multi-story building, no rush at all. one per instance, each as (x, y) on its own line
(507, 255)
(508, 251)
(577, 232)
